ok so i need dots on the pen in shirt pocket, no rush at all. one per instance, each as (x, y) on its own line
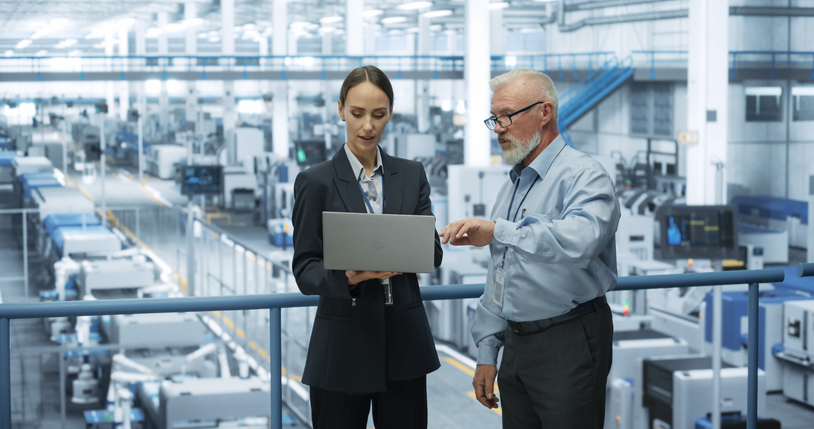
(523, 214)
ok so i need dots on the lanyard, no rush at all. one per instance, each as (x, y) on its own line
(367, 201)
(509, 210)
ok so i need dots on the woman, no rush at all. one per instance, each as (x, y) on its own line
(363, 351)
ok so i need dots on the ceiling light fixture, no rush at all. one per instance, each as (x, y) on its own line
(54, 25)
(372, 12)
(193, 22)
(499, 5)
(331, 19)
(65, 44)
(299, 24)
(22, 44)
(393, 19)
(41, 53)
(214, 39)
(415, 5)
(9, 53)
(326, 30)
(126, 22)
(437, 13)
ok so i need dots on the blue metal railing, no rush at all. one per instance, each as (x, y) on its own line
(162, 64)
(791, 57)
(274, 303)
(592, 89)
(805, 270)
(585, 60)
(737, 59)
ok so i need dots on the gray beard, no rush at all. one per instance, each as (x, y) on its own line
(520, 150)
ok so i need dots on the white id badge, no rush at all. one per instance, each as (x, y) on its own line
(500, 284)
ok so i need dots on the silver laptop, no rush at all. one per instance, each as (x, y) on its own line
(378, 242)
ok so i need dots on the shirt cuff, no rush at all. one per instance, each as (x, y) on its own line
(503, 231)
(487, 355)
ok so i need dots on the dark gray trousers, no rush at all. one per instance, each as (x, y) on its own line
(402, 406)
(556, 378)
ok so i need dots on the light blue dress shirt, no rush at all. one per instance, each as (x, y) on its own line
(372, 185)
(560, 250)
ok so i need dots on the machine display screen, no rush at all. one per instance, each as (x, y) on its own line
(201, 179)
(699, 232)
(310, 152)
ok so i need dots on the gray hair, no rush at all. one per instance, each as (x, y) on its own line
(539, 80)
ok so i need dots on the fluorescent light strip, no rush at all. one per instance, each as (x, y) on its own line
(437, 13)
(393, 19)
(415, 5)
(372, 12)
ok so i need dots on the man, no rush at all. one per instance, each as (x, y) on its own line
(553, 257)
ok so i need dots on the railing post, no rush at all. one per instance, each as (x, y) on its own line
(751, 403)
(734, 65)
(25, 251)
(275, 369)
(5, 375)
(652, 65)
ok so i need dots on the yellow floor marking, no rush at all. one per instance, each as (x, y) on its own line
(240, 333)
(228, 322)
(464, 368)
(460, 366)
(497, 410)
(87, 194)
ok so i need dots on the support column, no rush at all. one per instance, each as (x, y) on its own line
(124, 86)
(279, 47)
(452, 41)
(190, 49)
(707, 91)
(141, 50)
(422, 87)
(163, 97)
(497, 32)
(354, 28)
(477, 74)
(110, 95)
(371, 32)
(227, 8)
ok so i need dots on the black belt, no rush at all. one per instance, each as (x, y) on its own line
(535, 326)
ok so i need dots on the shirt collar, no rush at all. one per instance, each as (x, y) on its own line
(358, 168)
(542, 163)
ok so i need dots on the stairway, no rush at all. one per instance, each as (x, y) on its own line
(589, 91)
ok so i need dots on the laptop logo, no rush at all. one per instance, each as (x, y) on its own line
(378, 243)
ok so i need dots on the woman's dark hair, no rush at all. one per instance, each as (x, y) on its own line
(366, 74)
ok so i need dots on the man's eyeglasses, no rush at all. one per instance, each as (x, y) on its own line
(505, 120)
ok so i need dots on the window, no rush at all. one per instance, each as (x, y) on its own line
(764, 104)
(802, 99)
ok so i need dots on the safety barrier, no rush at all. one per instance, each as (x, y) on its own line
(802, 60)
(275, 302)
(189, 67)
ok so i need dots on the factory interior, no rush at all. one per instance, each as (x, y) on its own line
(148, 150)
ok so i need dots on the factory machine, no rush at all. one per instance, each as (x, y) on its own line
(6, 167)
(624, 389)
(797, 351)
(770, 331)
(676, 391)
(161, 160)
(206, 403)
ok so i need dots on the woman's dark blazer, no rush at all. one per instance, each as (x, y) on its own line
(356, 349)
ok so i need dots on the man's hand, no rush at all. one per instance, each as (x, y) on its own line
(470, 231)
(356, 277)
(484, 384)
